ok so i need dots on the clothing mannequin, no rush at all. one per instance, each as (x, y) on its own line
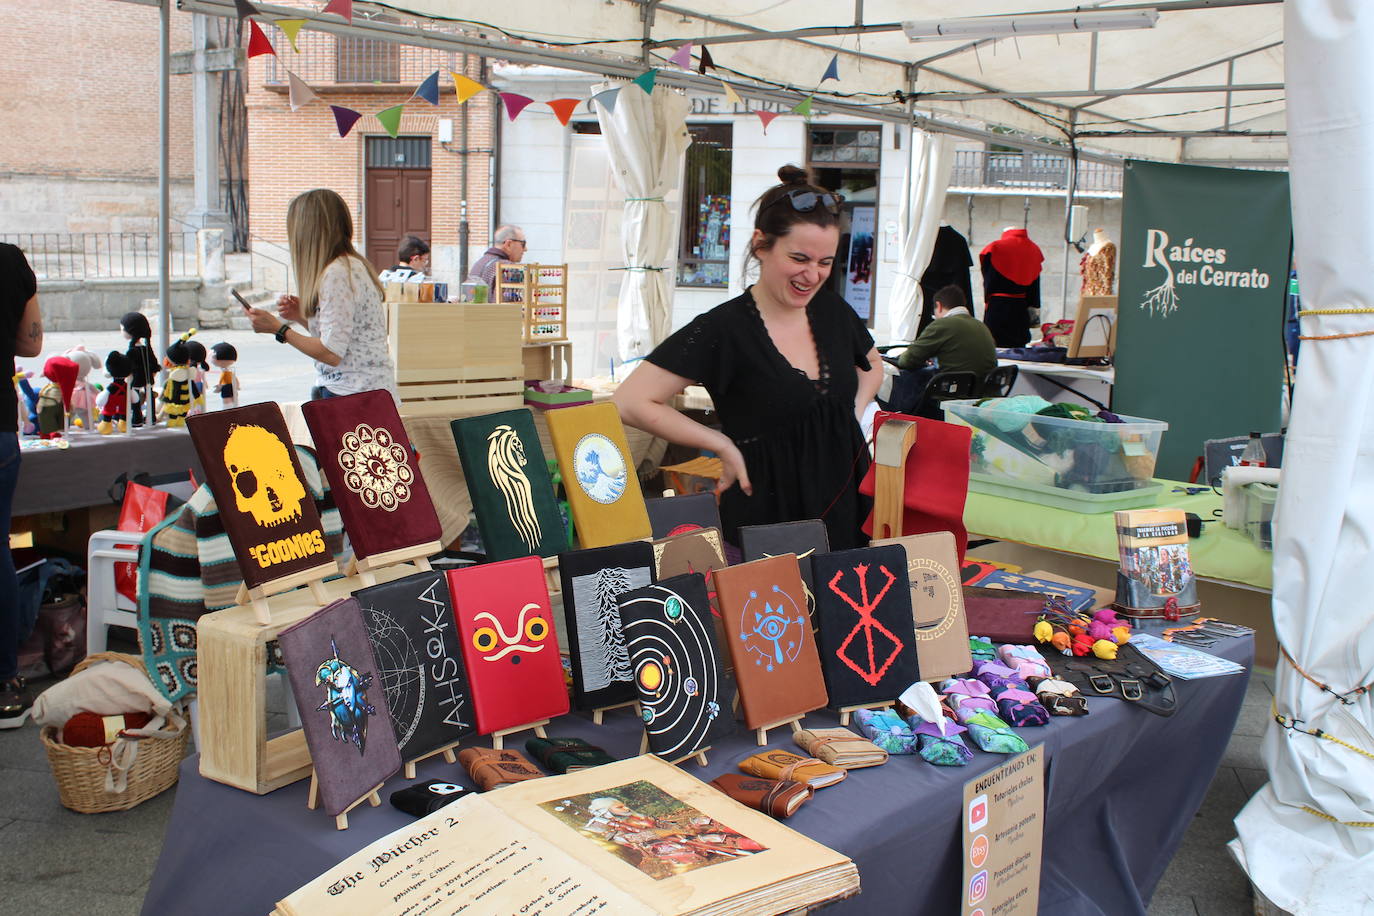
(1011, 286)
(1098, 265)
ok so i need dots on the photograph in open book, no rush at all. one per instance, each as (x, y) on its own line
(658, 834)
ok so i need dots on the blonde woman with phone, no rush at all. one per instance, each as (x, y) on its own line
(339, 301)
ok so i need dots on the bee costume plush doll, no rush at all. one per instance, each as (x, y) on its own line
(176, 391)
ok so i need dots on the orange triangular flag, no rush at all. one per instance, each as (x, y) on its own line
(299, 94)
(730, 94)
(291, 27)
(257, 41)
(767, 118)
(563, 109)
(466, 88)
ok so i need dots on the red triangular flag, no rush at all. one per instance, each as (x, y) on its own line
(515, 103)
(563, 109)
(767, 118)
(343, 7)
(257, 41)
(344, 118)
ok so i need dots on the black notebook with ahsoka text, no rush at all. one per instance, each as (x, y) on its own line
(420, 658)
(592, 580)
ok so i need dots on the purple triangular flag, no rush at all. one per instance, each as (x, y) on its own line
(515, 103)
(682, 57)
(344, 118)
(246, 9)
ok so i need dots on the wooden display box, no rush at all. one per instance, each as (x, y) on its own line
(232, 659)
(542, 292)
(548, 359)
(454, 359)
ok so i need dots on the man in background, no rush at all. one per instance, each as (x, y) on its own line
(508, 244)
(413, 255)
(954, 342)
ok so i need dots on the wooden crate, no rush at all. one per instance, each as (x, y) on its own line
(548, 359)
(232, 693)
(454, 359)
(542, 292)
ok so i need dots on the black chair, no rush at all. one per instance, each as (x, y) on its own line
(945, 386)
(999, 382)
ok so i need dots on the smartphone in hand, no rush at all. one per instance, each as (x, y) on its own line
(242, 301)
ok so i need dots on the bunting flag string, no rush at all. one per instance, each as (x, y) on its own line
(767, 118)
(682, 57)
(645, 81)
(832, 71)
(606, 99)
(344, 118)
(515, 103)
(343, 8)
(390, 119)
(292, 28)
(429, 89)
(300, 94)
(731, 95)
(803, 108)
(563, 109)
(246, 9)
(706, 61)
(465, 87)
(257, 41)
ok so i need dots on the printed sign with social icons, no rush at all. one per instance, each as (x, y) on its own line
(1004, 814)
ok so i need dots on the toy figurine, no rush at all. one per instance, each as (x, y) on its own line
(198, 370)
(176, 391)
(55, 398)
(223, 355)
(84, 394)
(29, 401)
(114, 400)
(142, 365)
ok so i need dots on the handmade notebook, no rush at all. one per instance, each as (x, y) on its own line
(268, 514)
(338, 689)
(937, 604)
(775, 763)
(508, 479)
(599, 476)
(769, 635)
(807, 539)
(508, 642)
(415, 639)
(685, 694)
(670, 515)
(1002, 615)
(635, 838)
(374, 475)
(566, 755)
(702, 552)
(867, 635)
(592, 581)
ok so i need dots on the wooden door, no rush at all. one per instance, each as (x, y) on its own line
(397, 202)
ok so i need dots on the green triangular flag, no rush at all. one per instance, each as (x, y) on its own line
(390, 118)
(803, 107)
(645, 81)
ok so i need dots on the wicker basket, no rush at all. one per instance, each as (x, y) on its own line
(80, 771)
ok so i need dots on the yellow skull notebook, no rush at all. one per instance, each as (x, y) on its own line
(598, 475)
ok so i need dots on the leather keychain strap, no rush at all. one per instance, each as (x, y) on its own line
(786, 772)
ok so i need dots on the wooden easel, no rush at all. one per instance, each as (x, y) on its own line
(259, 594)
(446, 750)
(366, 568)
(893, 443)
(498, 736)
(551, 580)
(699, 753)
(761, 733)
(845, 711)
(600, 710)
(341, 819)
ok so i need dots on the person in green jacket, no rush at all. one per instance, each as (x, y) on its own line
(954, 342)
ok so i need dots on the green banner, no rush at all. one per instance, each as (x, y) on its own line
(1203, 281)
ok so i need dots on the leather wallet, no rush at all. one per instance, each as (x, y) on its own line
(840, 747)
(567, 755)
(1002, 615)
(490, 768)
(775, 797)
(426, 797)
(780, 764)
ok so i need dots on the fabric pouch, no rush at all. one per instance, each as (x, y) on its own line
(774, 797)
(490, 768)
(1027, 661)
(1021, 709)
(887, 730)
(943, 750)
(996, 676)
(993, 735)
(1059, 697)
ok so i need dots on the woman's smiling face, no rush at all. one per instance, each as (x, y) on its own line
(797, 264)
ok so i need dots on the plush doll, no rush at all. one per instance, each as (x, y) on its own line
(198, 370)
(114, 400)
(176, 391)
(224, 356)
(142, 365)
(55, 398)
(29, 400)
(84, 394)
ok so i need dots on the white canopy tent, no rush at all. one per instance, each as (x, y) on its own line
(1204, 85)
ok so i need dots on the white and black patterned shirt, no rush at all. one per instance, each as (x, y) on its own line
(351, 322)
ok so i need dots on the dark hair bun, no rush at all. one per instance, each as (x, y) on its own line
(791, 174)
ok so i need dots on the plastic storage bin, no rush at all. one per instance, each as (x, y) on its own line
(1068, 464)
(1259, 513)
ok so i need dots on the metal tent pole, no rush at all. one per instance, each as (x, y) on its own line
(164, 197)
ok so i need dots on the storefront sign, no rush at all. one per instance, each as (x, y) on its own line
(1204, 260)
(717, 105)
(858, 281)
(1004, 819)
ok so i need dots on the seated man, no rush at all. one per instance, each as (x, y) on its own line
(954, 342)
(412, 256)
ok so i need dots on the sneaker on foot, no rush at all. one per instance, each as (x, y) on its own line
(14, 703)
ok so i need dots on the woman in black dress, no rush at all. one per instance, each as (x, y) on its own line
(790, 368)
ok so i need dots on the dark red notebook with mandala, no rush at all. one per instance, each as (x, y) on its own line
(374, 474)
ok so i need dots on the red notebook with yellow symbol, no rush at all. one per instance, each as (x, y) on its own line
(509, 645)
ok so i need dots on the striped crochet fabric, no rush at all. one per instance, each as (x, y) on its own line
(187, 568)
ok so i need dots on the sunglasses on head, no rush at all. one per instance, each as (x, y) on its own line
(804, 201)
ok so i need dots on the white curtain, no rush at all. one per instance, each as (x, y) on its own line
(1290, 837)
(646, 136)
(923, 203)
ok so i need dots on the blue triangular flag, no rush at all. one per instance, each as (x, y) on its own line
(832, 72)
(429, 89)
(606, 99)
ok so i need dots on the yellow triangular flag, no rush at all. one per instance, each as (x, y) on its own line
(292, 28)
(466, 88)
(731, 95)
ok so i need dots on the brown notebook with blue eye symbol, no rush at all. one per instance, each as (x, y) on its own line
(768, 634)
(806, 539)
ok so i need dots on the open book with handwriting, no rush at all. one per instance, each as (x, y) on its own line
(637, 836)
